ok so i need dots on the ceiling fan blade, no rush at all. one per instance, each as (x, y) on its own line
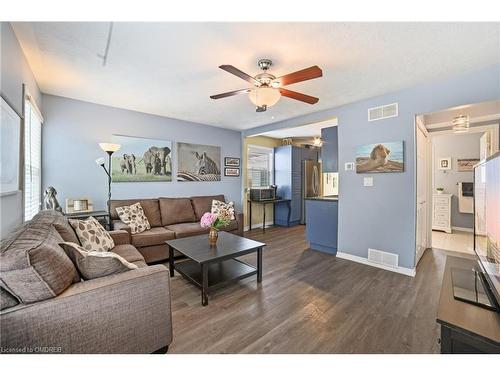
(298, 96)
(231, 69)
(300, 75)
(230, 93)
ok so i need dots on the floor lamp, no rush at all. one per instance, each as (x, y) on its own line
(109, 148)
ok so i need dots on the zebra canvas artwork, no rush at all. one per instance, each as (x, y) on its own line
(141, 160)
(198, 162)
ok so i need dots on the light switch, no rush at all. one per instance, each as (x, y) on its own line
(368, 181)
(349, 166)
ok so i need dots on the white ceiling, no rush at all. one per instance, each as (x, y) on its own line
(305, 131)
(170, 69)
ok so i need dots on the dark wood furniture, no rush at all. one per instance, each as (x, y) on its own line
(465, 328)
(213, 267)
(274, 202)
(101, 216)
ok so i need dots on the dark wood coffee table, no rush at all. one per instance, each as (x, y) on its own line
(213, 267)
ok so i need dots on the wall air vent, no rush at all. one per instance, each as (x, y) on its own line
(383, 257)
(382, 112)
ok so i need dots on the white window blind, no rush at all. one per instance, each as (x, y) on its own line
(260, 166)
(32, 159)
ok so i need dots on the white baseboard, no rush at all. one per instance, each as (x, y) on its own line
(257, 226)
(462, 229)
(402, 270)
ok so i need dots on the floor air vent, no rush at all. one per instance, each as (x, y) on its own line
(382, 112)
(383, 257)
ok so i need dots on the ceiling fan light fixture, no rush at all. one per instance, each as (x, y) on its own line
(264, 96)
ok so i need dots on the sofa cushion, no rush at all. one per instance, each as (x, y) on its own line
(219, 207)
(151, 209)
(187, 229)
(176, 210)
(95, 264)
(134, 217)
(233, 225)
(33, 267)
(59, 222)
(92, 235)
(6, 299)
(204, 204)
(154, 236)
(128, 252)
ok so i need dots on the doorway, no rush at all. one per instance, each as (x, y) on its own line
(448, 144)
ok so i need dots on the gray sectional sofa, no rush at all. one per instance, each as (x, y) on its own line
(46, 309)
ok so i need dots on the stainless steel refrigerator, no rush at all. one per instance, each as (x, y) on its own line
(311, 183)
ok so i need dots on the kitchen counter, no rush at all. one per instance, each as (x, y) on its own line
(325, 198)
(322, 223)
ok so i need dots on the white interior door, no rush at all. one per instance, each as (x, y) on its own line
(423, 203)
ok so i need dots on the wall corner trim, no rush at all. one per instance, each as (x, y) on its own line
(402, 270)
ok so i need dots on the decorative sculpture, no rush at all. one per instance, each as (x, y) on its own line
(50, 201)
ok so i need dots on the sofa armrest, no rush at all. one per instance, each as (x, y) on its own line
(125, 313)
(239, 220)
(120, 225)
(120, 237)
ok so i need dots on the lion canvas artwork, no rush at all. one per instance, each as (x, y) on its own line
(198, 162)
(141, 160)
(380, 158)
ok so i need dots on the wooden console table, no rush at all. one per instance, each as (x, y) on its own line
(264, 203)
(465, 328)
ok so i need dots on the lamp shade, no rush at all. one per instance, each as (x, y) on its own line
(100, 161)
(109, 147)
(267, 96)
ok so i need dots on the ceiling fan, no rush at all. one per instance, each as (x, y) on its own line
(267, 88)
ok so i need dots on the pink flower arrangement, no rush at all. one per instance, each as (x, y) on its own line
(210, 220)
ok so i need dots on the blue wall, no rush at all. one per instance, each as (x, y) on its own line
(73, 129)
(383, 216)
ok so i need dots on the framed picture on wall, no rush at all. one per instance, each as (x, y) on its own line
(444, 164)
(198, 162)
(232, 172)
(231, 162)
(385, 157)
(141, 160)
(10, 138)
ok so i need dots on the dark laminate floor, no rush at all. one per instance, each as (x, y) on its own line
(310, 302)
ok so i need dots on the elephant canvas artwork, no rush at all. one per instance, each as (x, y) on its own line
(141, 160)
(198, 162)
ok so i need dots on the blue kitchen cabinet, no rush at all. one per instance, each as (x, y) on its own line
(330, 149)
(322, 224)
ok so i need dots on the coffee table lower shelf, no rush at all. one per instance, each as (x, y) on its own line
(219, 274)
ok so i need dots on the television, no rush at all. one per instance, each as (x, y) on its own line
(487, 225)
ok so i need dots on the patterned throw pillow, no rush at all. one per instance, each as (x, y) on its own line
(94, 264)
(218, 206)
(92, 235)
(134, 217)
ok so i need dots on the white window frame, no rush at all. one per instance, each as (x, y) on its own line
(32, 146)
(264, 150)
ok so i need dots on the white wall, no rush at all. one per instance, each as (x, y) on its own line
(456, 146)
(14, 72)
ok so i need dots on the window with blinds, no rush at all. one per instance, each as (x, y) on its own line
(260, 166)
(32, 160)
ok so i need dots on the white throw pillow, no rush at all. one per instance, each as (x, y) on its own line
(94, 264)
(134, 217)
(218, 206)
(92, 235)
